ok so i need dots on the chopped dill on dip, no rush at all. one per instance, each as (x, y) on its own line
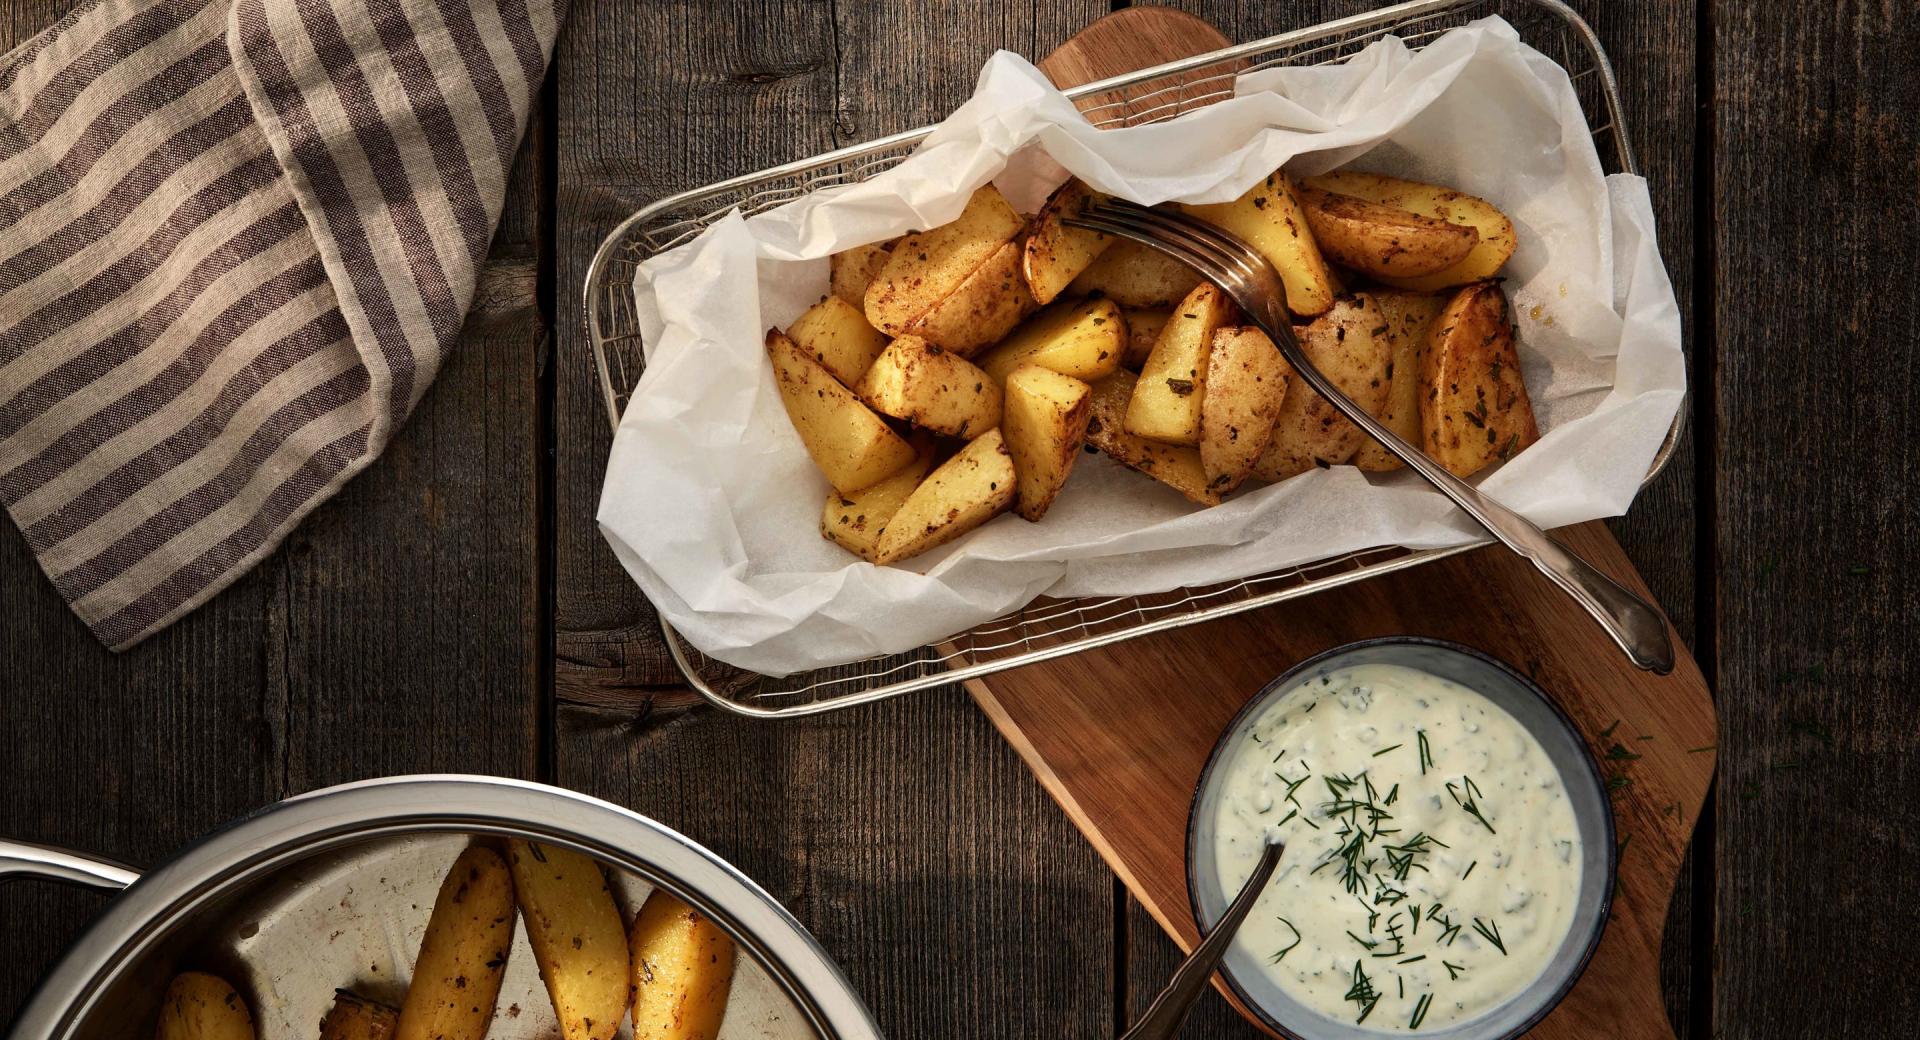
(1432, 860)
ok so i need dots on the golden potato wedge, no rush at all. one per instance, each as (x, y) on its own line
(199, 1006)
(1143, 330)
(849, 443)
(1045, 425)
(577, 936)
(1381, 240)
(981, 310)
(1177, 467)
(682, 972)
(1496, 238)
(1133, 275)
(1474, 408)
(456, 977)
(354, 1017)
(1246, 381)
(927, 266)
(854, 521)
(1269, 218)
(1166, 400)
(1078, 338)
(1406, 318)
(1345, 346)
(850, 271)
(837, 334)
(966, 491)
(931, 388)
(1055, 254)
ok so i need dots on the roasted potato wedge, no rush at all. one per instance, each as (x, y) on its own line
(1381, 240)
(837, 334)
(456, 977)
(1246, 381)
(1269, 218)
(966, 491)
(1133, 275)
(354, 1017)
(1055, 254)
(1496, 238)
(577, 936)
(1177, 467)
(850, 271)
(1474, 408)
(1045, 425)
(926, 267)
(849, 443)
(931, 388)
(682, 972)
(1079, 338)
(854, 521)
(1166, 400)
(1405, 317)
(1143, 330)
(199, 1006)
(1344, 346)
(981, 310)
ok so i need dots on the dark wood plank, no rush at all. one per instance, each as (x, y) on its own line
(1817, 487)
(908, 837)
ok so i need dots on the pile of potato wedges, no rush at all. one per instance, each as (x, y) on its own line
(957, 373)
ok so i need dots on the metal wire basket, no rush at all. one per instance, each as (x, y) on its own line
(1049, 628)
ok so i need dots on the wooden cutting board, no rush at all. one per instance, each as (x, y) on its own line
(1119, 735)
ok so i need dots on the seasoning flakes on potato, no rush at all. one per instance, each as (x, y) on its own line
(1347, 345)
(1406, 317)
(927, 266)
(353, 1017)
(966, 491)
(855, 520)
(199, 1006)
(1474, 409)
(1270, 219)
(1177, 467)
(462, 959)
(1078, 338)
(682, 971)
(850, 444)
(1045, 425)
(1056, 254)
(1247, 379)
(1166, 400)
(577, 936)
(934, 389)
(1492, 248)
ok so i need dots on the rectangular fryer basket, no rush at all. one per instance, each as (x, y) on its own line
(1049, 628)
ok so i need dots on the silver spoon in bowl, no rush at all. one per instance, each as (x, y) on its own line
(1163, 1017)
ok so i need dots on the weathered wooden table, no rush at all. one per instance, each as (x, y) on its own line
(455, 608)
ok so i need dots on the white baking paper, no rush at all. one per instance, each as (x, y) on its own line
(713, 506)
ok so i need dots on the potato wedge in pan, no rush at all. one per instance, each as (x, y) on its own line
(854, 521)
(981, 310)
(199, 1006)
(850, 444)
(850, 271)
(925, 267)
(1345, 346)
(1381, 240)
(933, 389)
(1496, 238)
(1405, 317)
(1177, 467)
(968, 490)
(1055, 254)
(456, 977)
(1133, 275)
(1246, 381)
(682, 971)
(1143, 330)
(1474, 405)
(1166, 400)
(577, 936)
(354, 1017)
(1078, 338)
(837, 334)
(1270, 219)
(1045, 425)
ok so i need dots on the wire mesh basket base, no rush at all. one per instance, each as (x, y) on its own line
(1049, 628)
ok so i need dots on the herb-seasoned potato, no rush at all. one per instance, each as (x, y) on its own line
(1166, 400)
(1081, 338)
(353, 1017)
(925, 267)
(849, 443)
(1143, 330)
(1132, 275)
(199, 1006)
(1484, 260)
(682, 972)
(1269, 218)
(1045, 425)
(1406, 317)
(852, 270)
(577, 937)
(837, 333)
(854, 521)
(1381, 240)
(1246, 381)
(1056, 254)
(1344, 346)
(931, 388)
(1474, 407)
(982, 309)
(966, 491)
(1177, 467)
(456, 977)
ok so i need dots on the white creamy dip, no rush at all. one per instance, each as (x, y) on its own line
(1399, 795)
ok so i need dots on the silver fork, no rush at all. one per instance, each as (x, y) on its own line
(1245, 275)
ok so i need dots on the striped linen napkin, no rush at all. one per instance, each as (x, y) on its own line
(237, 239)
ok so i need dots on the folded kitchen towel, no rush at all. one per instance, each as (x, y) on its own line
(237, 239)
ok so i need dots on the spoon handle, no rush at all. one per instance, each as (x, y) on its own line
(1169, 1009)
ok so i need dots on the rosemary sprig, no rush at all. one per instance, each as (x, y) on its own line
(1490, 931)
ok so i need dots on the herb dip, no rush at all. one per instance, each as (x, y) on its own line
(1432, 861)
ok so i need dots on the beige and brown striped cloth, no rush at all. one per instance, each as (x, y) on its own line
(237, 239)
